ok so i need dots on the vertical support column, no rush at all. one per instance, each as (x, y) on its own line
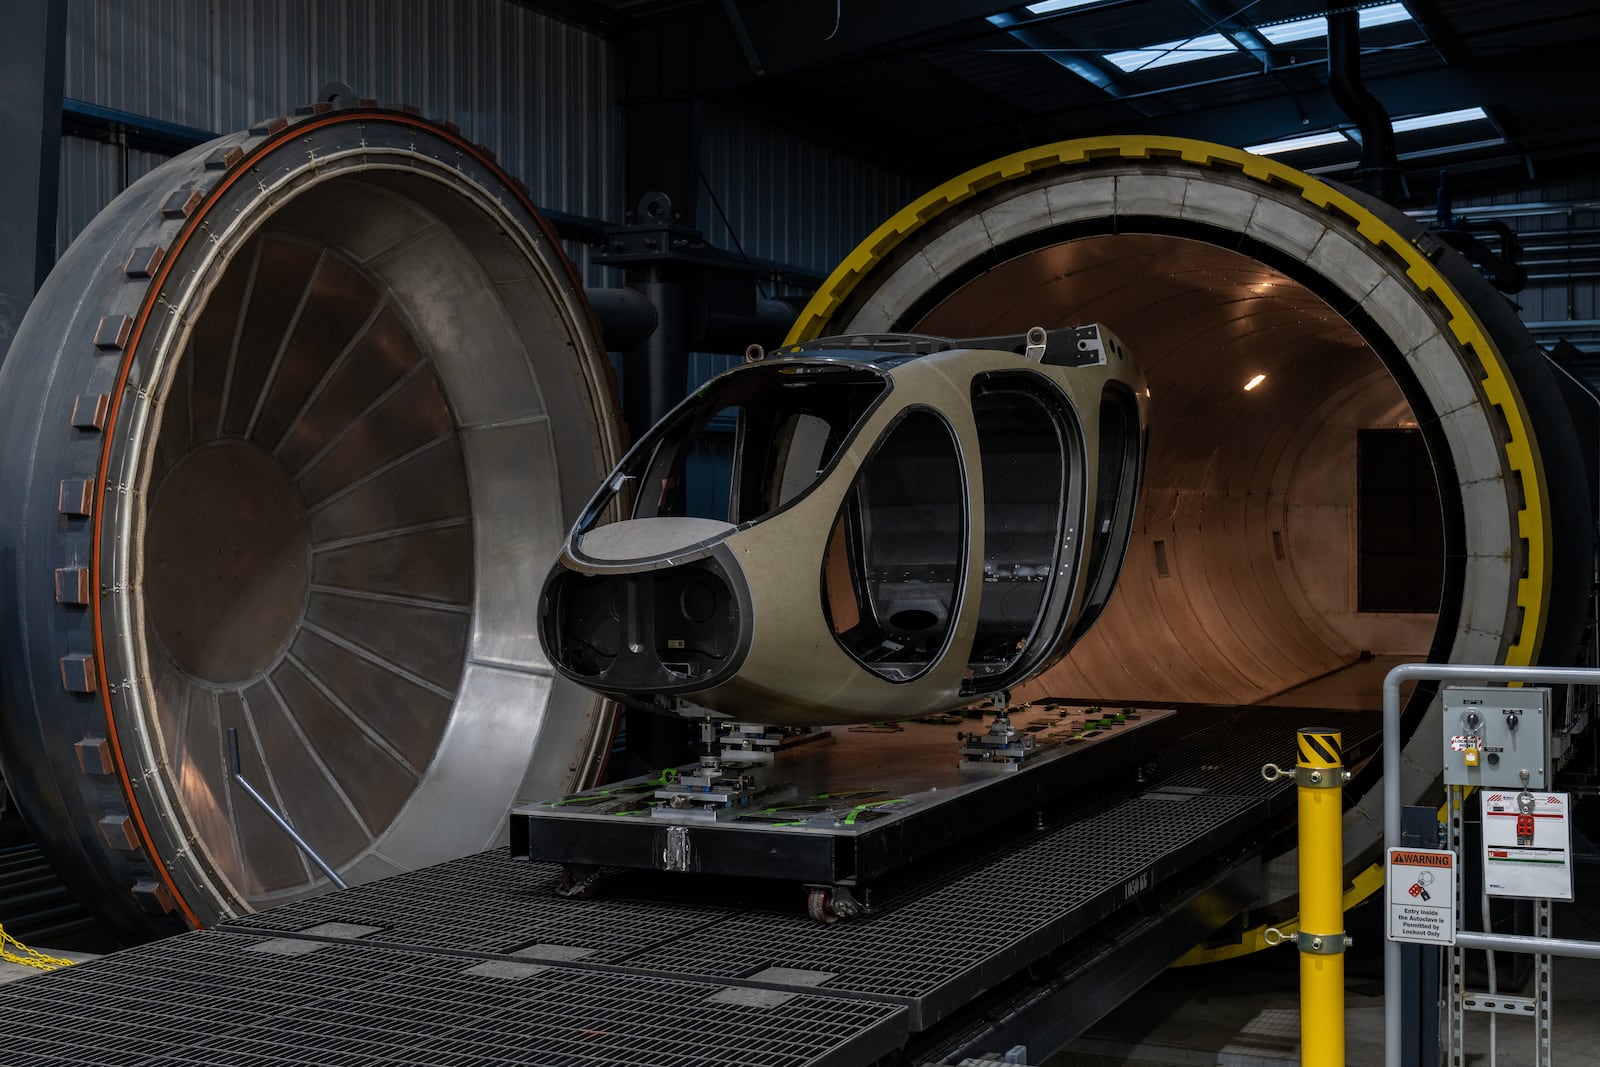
(1456, 1034)
(1320, 776)
(655, 371)
(1543, 995)
(32, 60)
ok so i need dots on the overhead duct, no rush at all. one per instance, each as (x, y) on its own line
(1215, 266)
(296, 426)
(1379, 170)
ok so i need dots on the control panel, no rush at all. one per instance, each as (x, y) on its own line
(1496, 737)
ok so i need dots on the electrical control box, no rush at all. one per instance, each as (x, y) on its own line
(1496, 737)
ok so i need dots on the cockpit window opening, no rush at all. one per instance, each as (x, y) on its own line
(1030, 522)
(1116, 492)
(749, 443)
(893, 571)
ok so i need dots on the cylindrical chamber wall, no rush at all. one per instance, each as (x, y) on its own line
(1238, 583)
(311, 408)
(1214, 266)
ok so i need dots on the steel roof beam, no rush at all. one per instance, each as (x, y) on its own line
(1221, 18)
(1105, 76)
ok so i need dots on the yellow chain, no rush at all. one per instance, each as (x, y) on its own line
(14, 951)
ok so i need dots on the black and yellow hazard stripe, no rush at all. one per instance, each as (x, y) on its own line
(1321, 748)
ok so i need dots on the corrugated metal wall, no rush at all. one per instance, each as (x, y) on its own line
(787, 197)
(544, 96)
(540, 93)
(92, 174)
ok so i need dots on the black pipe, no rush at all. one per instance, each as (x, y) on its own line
(1501, 266)
(742, 34)
(766, 325)
(655, 370)
(626, 316)
(1379, 170)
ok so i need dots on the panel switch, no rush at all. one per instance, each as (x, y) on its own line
(1491, 733)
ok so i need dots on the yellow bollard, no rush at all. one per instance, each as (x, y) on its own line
(1320, 777)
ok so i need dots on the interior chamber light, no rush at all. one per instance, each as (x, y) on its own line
(1253, 382)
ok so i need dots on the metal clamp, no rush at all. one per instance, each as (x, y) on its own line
(1321, 778)
(1308, 777)
(1322, 944)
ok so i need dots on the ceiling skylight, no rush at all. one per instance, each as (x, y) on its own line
(1211, 45)
(1169, 52)
(1332, 137)
(1295, 144)
(1048, 7)
(1317, 25)
(1443, 118)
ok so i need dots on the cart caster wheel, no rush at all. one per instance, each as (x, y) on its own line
(818, 905)
(829, 904)
(580, 882)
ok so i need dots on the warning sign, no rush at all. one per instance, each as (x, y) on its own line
(1421, 886)
(1527, 844)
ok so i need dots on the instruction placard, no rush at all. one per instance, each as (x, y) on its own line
(1421, 887)
(1527, 844)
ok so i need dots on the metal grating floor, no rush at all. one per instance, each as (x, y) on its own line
(492, 903)
(933, 948)
(250, 1001)
(638, 977)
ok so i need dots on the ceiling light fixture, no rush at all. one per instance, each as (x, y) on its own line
(1253, 382)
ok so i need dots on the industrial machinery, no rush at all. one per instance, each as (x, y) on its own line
(309, 409)
(332, 309)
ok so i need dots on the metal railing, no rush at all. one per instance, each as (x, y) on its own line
(1465, 673)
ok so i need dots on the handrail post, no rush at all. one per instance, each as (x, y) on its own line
(1320, 777)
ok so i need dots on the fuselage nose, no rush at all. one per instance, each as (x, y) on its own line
(654, 628)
